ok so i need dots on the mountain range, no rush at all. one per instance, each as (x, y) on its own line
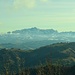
(33, 38)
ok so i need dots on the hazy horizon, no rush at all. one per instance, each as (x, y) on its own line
(35, 27)
(43, 14)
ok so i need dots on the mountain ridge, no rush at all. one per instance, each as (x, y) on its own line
(63, 53)
(34, 38)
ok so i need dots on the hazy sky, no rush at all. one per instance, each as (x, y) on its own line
(51, 14)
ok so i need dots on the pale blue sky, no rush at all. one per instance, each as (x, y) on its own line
(45, 14)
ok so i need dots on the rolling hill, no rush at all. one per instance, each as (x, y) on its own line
(63, 53)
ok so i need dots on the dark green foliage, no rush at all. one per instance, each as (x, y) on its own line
(16, 60)
(49, 69)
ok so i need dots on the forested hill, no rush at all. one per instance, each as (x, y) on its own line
(64, 52)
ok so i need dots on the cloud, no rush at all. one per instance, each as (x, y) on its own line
(44, 0)
(24, 3)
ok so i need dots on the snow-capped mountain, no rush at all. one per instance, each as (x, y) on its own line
(35, 36)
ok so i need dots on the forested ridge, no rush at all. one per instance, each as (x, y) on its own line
(12, 60)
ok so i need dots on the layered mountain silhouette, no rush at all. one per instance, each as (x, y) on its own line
(33, 38)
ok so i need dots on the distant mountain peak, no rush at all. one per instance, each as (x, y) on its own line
(35, 29)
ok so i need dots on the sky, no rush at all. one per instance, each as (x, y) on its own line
(43, 14)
